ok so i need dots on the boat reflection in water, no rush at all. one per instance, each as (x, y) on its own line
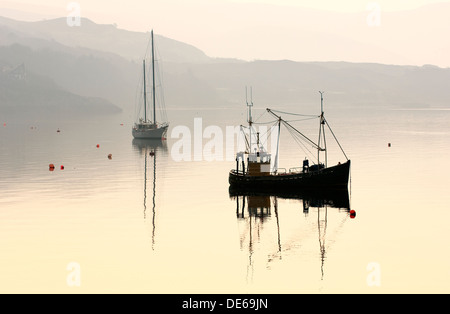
(267, 228)
(150, 149)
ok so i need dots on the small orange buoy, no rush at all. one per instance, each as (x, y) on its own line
(98, 145)
(110, 156)
(51, 167)
(352, 214)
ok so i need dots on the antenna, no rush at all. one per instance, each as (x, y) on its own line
(246, 98)
(321, 101)
(249, 105)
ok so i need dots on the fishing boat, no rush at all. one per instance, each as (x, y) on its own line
(256, 171)
(146, 128)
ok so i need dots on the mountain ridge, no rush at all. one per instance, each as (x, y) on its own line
(202, 81)
(105, 38)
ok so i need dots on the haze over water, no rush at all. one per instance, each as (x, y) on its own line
(117, 215)
(188, 237)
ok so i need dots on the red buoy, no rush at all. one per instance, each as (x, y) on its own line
(51, 167)
(110, 156)
(98, 145)
(352, 213)
(62, 167)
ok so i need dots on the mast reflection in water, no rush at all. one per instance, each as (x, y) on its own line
(150, 148)
(286, 235)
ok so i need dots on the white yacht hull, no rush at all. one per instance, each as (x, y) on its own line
(150, 133)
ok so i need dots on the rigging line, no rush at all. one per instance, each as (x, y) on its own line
(304, 136)
(137, 99)
(259, 116)
(295, 136)
(286, 123)
(247, 144)
(336, 139)
(158, 69)
(309, 154)
(265, 122)
(160, 75)
(252, 136)
(267, 134)
(300, 141)
(301, 119)
(296, 114)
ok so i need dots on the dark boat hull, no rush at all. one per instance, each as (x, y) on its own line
(334, 177)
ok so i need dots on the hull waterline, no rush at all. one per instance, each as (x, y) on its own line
(335, 177)
(157, 133)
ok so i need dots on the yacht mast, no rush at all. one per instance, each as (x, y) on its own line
(145, 95)
(153, 73)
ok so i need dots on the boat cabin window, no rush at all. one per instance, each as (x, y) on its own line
(259, 157)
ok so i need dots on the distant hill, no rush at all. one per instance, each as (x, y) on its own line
(258, 30)
(99, 66)
(80, 71)
(31, 95)
(286, 82)
(103, 38)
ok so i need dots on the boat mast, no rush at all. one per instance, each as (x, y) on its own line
(322, 133)
(249, 120)
(145, 95)
(275, 165)
(153, 73)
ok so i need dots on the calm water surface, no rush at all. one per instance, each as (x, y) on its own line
(136, 223)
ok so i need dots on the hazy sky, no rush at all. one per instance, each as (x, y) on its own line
(236, 28)
(115, 7)
(133, 14)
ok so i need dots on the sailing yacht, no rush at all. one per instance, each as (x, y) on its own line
(145, 128)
